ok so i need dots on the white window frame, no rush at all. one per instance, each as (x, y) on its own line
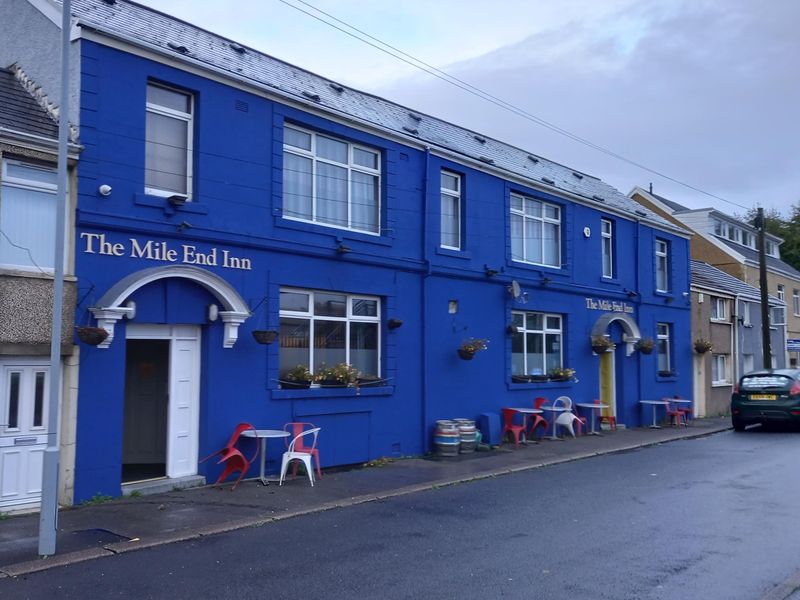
(777, 316)
(541, 220)
(451, 195)
(796, 303)
(663, 335)
(544, 332)
(781, 292)
(607, 247)
(350, 166)
(10, 181)
(745, 313)
(719, 369)
(662, 264)
(719, 309)
(348, 319)
(181, 116)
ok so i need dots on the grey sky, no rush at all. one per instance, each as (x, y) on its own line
(706, 91)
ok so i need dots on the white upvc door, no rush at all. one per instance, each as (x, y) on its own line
(24, 388)
(183, 413)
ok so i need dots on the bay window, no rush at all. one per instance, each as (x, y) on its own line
(323, 329)
(536, 347)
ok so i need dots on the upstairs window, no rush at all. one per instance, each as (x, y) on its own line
(536, 346)
(330, 182)
(168, 142)
(451, 210)
(663, 344)
(746, 314)
(607, 241)
(323, 329)
(719, 369)
(772, 249)
(27, 215)
(535, 231)
(796, 303)
(662, 266)
(781, 292)
(719, 309)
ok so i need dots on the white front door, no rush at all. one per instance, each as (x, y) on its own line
(24, 387)
(183, 408)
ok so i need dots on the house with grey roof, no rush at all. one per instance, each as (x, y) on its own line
(726, 312)
(264, 245)
(28, 151)
(731, 245)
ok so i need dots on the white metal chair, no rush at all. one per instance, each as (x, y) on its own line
(566, 418)
(305, 456)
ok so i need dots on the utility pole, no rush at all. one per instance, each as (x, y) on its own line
(48, 515)
(762, 280)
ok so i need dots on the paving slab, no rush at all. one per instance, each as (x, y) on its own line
(128, 524)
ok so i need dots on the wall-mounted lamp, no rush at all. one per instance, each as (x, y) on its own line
(342, 249)
(394, 323)
(213, 312)
(512, 329)
(490, 272)
(183, 225)
(631, 293)
(177, 200)
(452, 306)
(685, 294)
(104, 190)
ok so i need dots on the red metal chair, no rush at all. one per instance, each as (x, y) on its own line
(518, 431)
(610, 419)
(538, 420)
(232, 457)
(675, 415)
(294, 430)
(686, 410)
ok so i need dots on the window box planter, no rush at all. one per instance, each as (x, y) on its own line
(294, 385)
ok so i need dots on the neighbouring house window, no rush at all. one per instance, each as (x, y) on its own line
(747, 239)
(719, 309)
(330, 182)
(27, 215)
(796, 303)
(451, 210)
(536, 348)
(607, 240)
(747, 362)
(745, 313)
(328, 328)
(781, 292)
(719, 227)
(168, 142)
(719, 369)
(535, 231)
(662, 266)
(772, 249)
(778, 316)
(663, 342)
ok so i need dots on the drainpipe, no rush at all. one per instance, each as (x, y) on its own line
(423, 302)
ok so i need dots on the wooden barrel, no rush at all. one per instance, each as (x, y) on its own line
(446, 438)
(468, 435)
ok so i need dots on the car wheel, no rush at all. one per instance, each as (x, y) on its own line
(738, 425)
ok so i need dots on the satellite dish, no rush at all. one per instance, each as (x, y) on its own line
(514, 289)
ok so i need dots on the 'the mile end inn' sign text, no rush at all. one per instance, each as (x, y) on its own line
(608, 305)
(187, 254)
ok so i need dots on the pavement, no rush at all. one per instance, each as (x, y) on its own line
(97, 530)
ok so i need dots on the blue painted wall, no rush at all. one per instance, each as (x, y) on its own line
(237, 207)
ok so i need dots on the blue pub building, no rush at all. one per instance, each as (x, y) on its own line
(222, 191)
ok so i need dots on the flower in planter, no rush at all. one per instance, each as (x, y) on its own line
(602, 343)
(469, 347)
(702, 346)
(645, 345)
(562, 373)
(340, 375)
(298, 377)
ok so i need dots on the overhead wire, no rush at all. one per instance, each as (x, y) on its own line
(482, 94)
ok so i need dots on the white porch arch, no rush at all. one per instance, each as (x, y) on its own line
(110, 308)
(629, 327)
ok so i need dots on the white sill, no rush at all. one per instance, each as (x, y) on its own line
(716, 384)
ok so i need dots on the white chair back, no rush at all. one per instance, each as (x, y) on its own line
(564, 401)
(313, 432)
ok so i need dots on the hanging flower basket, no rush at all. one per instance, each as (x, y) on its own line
(469, 347)
(702, 346)
(91, 335)
(645, 345)
(264, 337)
(601, 343)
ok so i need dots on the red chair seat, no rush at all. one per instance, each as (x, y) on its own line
(518, 431)
(232, 457)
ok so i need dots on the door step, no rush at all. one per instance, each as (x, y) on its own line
(162, 485)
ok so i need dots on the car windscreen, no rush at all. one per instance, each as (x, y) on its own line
(766, 382)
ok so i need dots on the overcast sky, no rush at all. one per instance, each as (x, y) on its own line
(704, 91)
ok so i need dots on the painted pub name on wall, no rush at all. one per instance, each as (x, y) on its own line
(187, 254)
(608, 305)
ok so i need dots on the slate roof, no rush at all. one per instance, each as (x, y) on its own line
(752, 256)
(674, 206)
(707, 276)
(20, 112)
(146, 27)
